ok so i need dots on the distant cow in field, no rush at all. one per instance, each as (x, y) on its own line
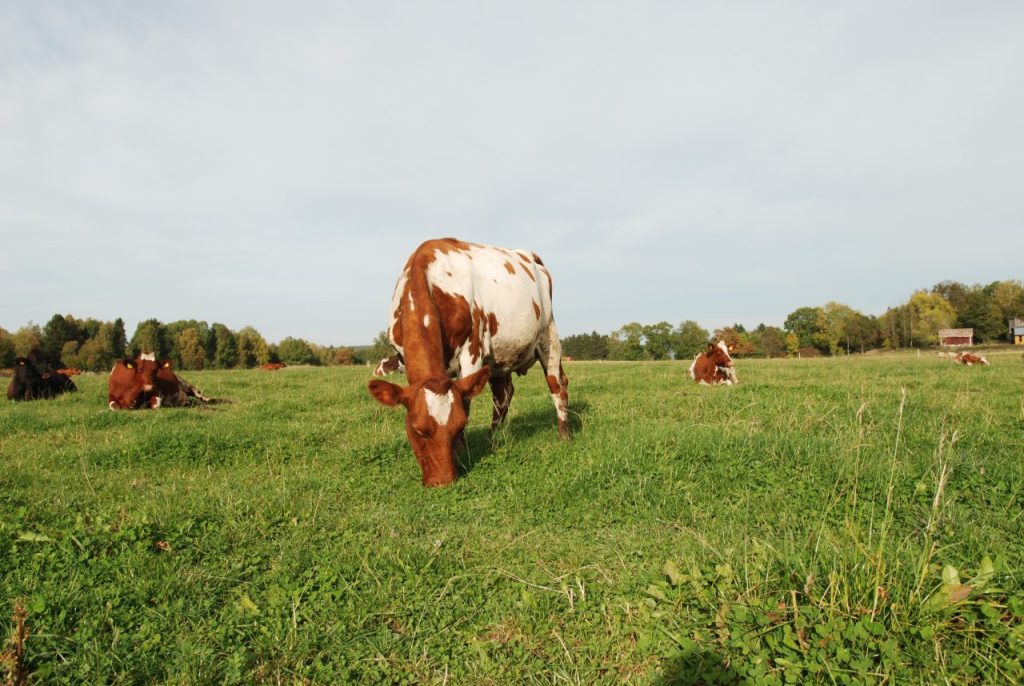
(70, 371)
(272, 366)
(390, 365)
(970, 359)
(145, 383)
(30, 383)
(463, 315)
(714, 366)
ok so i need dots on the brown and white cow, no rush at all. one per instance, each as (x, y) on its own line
(144, 382)
(714, 366)
(390, 365)
(464, 315)
(970, 359)
(272, 366)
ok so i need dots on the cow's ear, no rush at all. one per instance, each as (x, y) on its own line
(474, 383)
(387, 393)
(128, 362)
(165, 364)
(711, 347)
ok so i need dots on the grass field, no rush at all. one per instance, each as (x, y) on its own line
(851, 520)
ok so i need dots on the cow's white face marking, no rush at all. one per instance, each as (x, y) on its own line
(426, 321)
(439, 406)
(725, 349)
(148, 356)
(412, 305)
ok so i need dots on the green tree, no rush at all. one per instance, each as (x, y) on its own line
(689, 340)
(832, 330)
(252, 348)
(149, 338)
(928, 312)
(657, 340)
(862, 332)
(225, 347)
(804, 321)
(1009, 298)
(295, 351)
(769, 341)
(792, 344)
(627, 343)
(7, 354)
(953, 292)
(983, 314)
(26, 339)
(380, 349)
(58, 331)
(190, 349)
(586, 346)
(119, 339)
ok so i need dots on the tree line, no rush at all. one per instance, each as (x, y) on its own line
(830, 329)
(94, 345)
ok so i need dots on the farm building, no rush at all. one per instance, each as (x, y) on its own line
(956, 337)
(1017, 331)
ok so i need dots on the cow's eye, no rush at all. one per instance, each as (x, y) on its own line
(422, 433)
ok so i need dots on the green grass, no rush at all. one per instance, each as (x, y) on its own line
(793, 529)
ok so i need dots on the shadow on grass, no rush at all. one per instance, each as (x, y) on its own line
(480, 442)
(696, 667)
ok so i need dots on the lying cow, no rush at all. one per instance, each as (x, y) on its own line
(70, 371)
(390, 365)
(464, 315)
(145, 383)
(970, 359)
(272, 366)
(31, 383)
(714, 366)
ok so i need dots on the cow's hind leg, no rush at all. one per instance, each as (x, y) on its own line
(501, 390)
(550, 356)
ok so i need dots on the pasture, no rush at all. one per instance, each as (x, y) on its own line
(814, 524)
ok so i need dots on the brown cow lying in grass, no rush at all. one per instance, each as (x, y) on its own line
(144, 382)
(965, 358)
(714, 366)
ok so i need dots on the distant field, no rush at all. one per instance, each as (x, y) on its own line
(813, 524)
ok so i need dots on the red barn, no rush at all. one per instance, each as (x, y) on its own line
(951, 337)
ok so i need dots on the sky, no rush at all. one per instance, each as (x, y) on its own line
(273, 164)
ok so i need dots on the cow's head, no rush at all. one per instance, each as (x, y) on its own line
(132, 383)
(434, 420)
(719, 354)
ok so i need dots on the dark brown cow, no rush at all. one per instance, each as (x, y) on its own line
(714, 366)
(272, 366)
(462, 315)
(30, 383)
(145, 383)
(390, 365)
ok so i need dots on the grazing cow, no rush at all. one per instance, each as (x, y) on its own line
(970, 359)
(390, 365)
(272, 366)
(714, 366)
(30, 383)
(144, 382)
(464, 315)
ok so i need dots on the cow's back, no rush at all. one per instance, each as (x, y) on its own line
(493, 304)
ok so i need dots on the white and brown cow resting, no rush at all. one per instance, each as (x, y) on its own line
(463, 315)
